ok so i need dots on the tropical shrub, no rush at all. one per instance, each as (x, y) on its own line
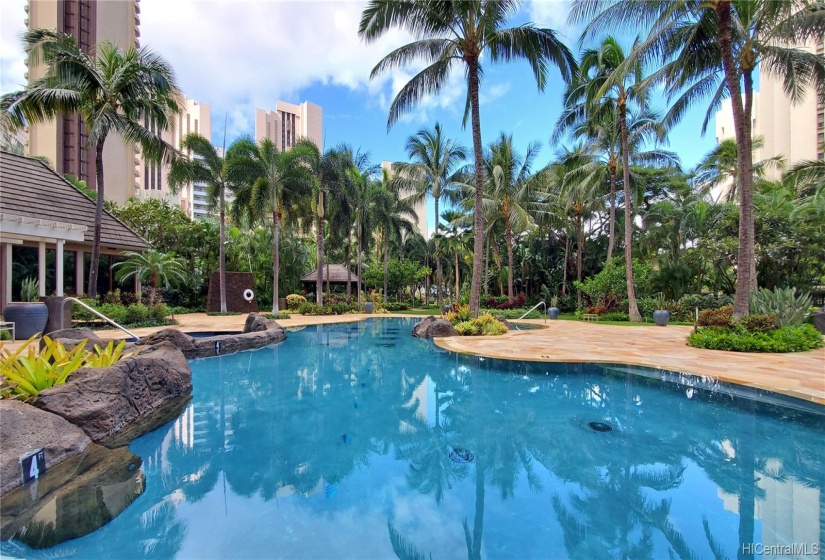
(158, 312)
(781, 302)
(467, 328)
(614, 316)
(106, 356)
(459, 314)
(35, 371)
(612, 280)
(793, 338)
(703, 301)
(114, 296)
(136, 313)
(393, 306)
(293, 301)
(722, 317)
(759, 323)
(30, 289)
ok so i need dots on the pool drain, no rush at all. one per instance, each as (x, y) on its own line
(461, 456)
(600, 427)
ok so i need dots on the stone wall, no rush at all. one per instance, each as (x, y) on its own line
(236, 284)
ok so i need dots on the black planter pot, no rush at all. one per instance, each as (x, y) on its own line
(661, 317)
(28, 318)
(446, 308)
(368, 307)
(553, 313)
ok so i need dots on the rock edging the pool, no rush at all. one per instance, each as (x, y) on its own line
(113, 405)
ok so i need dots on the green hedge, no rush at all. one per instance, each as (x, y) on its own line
(796, 338)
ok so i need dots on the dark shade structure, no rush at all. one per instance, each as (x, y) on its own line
(236, 284)
(337, 276)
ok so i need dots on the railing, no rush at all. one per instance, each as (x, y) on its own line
(515, 323)
(101, 315)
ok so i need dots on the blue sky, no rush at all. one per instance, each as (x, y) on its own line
(238, 55)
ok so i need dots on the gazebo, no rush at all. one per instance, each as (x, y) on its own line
(339, 275)
(40, 209)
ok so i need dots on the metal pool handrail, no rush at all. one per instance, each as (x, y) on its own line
(515, 323)
(101, 315)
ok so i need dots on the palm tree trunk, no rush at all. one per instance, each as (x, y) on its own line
(633, 308)
(508, 235)
(579, 251)
(93, 269)
(222, 252)
(437, 258)
(276, 259)
(744, 159)
(319, 243)
(358, 266)
(349, 270)
(487, 269)
(457, 283)
(153, 291)
(478, 218)
(386, 262)
(564, 264)
(611, 240)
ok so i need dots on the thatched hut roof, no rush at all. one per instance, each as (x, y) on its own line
(337, 275)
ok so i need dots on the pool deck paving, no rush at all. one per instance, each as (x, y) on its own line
(800, 374)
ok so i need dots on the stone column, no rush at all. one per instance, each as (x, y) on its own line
(7, 275)
(79, 269)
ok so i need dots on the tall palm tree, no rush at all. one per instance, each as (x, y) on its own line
(512, 191)
(153, 267)
(323, 172)
(112, 90)
(396, 217)
(579, 199)
(206, 165)
(452, 35)
(606, 73)
(454, 244)
(434, 169)
(711, 49)
(267, 187)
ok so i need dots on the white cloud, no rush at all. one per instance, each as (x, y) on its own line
(12, 58)
(553, 14)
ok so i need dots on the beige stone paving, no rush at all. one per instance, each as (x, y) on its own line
(800, 374)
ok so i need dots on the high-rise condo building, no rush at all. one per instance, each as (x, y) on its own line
(289, 123)
(420, 207)
(795, 131)
(63, 141)
(151, 178)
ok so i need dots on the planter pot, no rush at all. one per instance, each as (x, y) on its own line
(281, 304)
(661, 317)
(553, 312)
(446, 308)
(368, 307)
(28, 318)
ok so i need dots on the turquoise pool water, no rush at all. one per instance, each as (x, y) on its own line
(360, 441)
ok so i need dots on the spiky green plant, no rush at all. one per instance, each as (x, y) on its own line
(29, 289)
(788, 308)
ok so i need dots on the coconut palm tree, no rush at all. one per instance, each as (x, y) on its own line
(511, 191)
(718, 168)
(206, 165)
(396, 217)
(579, 199)
(711, 49)
(453, 35)
(807, 177)
(152, 267)
(267, 188)
(454, 244)
(323, 173)
(606, 73)
(433, 169)
(112, 90)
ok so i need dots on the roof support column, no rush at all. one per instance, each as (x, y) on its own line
(7, 272)
(79, 269)
(58, 269)
(41, 267)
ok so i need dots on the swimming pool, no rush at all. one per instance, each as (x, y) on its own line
(358, 440)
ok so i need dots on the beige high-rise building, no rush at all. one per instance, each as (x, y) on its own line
(289, 123)
(63, 140)
(420, 207)
(795, 131)
(151, 178)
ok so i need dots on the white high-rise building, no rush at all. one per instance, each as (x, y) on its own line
(420, 207)
(289, 123)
